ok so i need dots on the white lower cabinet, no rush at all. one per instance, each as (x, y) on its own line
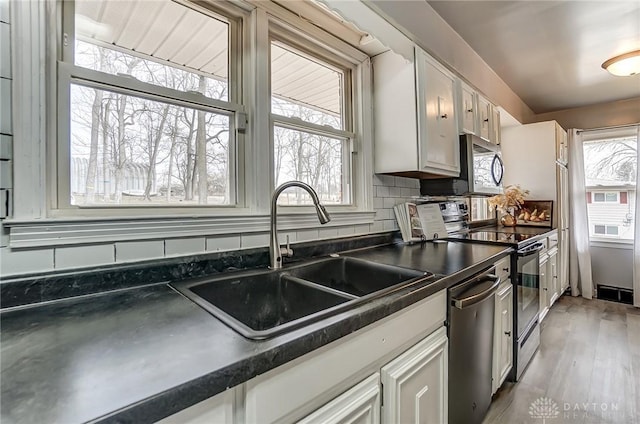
(544, 287)
(415, 384)
(400, 360)
(359, 405)
(503, 335)
(552, 278)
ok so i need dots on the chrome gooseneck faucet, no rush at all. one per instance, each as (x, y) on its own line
(275, 251)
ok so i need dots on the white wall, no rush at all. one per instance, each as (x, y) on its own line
(612, 266)
(621, 112)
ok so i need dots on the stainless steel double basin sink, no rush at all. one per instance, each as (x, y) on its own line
(262, 304)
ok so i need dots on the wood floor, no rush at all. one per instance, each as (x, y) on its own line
(587, 369)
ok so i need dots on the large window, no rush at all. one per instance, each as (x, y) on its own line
(147, 99)
(311, 122)
(610, 170)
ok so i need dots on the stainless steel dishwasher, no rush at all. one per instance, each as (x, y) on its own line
(470, 329)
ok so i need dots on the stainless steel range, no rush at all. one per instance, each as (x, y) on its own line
(524, 259)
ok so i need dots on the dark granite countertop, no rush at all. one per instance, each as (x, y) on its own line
(143, 353)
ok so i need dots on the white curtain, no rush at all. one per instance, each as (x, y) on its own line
(636, 231)
(579, 254)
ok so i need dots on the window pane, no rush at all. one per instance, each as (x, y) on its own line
(304, 88)
(159, 42)
(316, 160)
(126, 150)
(611, 166)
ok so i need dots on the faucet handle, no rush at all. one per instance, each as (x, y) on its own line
(286, 251)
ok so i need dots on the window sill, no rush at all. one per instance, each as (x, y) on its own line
(610, 243)
(64, 232)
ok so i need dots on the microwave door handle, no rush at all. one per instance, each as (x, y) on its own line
(493, 169)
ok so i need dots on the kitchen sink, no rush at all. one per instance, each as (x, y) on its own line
(263, 304)
(355, 276)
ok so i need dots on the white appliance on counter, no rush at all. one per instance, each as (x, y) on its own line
(535, 157)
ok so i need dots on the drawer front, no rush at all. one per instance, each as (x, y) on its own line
(503, 268)
(553, 241)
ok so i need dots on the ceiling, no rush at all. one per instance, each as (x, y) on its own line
(550, 52)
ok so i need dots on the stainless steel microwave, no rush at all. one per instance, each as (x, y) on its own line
(481, 171)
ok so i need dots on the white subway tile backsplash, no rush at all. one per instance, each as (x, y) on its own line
(390, 202)
(382, 191)
(387, 180)
(127, 251)
(251, 240)
(376, 227)
(5, 50)
(184, 246)
(5, 106)
(390, 224)
(25, 261)
(395, 191)
(378, 202)
(361, 229)
(222, 243)
(307, 235)
(327, 232)
(84, 256)
(408, 192)
(382, 214)
(346, 231)
(6, 146)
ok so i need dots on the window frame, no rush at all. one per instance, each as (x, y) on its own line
(282, 37)
(355, 66)
(37, 221)
(67, 73)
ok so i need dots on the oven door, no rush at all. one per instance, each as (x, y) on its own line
(487, 168)
(528, 291)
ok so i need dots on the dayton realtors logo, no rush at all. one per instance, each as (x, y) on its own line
(544, 408)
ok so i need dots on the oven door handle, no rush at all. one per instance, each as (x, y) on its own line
(530, 250)
(464, 302)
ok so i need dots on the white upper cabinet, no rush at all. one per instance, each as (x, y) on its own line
(437, 126)
(415, 125)
(484, 115)
(468, 109)
(494, 126)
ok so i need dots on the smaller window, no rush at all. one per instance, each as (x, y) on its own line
(609, 230)
(608, 197)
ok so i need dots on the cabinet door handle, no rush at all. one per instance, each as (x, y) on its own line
(444, 116)
(505, 269)
(544, 288)
(486, 120)
(469, 110)
(507, 333)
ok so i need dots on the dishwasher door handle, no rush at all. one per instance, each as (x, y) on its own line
(464, 302)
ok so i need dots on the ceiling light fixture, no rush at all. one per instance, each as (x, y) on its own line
(624, 65)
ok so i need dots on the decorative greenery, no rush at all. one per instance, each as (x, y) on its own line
(512, 198)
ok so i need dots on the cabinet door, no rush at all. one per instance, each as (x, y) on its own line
(484, 115)
(415, 383)
(359, 405)
(468, 110)
(552, 278)
(505, 347)
(544, 288)
(495, 125)
(439, 150)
